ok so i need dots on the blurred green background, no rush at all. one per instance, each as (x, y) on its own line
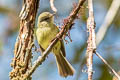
(109, 48)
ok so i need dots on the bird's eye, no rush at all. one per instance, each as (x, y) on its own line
(45, 19)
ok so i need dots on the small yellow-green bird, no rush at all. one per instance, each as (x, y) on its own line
(46, 31)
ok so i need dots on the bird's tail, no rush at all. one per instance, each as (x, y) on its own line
(64, 67)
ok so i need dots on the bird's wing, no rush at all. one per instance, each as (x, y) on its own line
(62, 49)
(41, 49)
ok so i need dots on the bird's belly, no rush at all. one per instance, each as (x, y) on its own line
(45, 37)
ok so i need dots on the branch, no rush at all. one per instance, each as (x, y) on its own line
(91, 39)
(52, 6)
(105, 62)
(64, 30)
(21, 62)
(108, 20)
(103, 29)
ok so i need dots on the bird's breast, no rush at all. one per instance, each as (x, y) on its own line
(45, 36)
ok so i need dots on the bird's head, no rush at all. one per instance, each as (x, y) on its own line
(46, 17)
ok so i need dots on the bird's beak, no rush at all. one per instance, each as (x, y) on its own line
(52, 15)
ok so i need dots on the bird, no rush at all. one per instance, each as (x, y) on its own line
(46, 31)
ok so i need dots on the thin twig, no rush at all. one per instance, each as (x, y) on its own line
(103, 29)
(108, 20)
(52, 6)
(64, 30)
(116, 74)
(91, 39)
